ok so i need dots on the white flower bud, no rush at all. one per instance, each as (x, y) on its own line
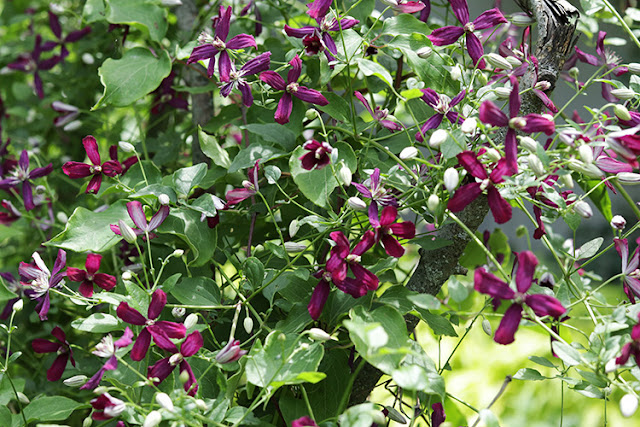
(433, 202)
(75, 381)
(408, 153)
(492, 154)
(126, 147)
(628, 405)
(295, 247)
(621, 112)
(23, 398)
(191, 321)
(318, 334)
(583, 209)
(515, 62)
(503, 92)
(618, 222)
(178, 253)
(153, 419)
(71, 126)
(310, 114)
(528, 143)
(456, 72)
(623, 94)
(127, 276)
(294, 226)
(589, 170)
(344, 175)
(522, 20)
(424, 52)
(438, 138)
(18, 306)
(486, 327)
(469, 125)
(127, 232)
(184, 375)
(178, 312)
(164, 199)
(542, 85)
(574, 72)
(451, 179)
(165, 401)
(248, 324)
(498, 61)
(357, 204)
(88, 59)
(628, 178)
(87, 422)
(201, 405)
(536, 165)
(586, 153)
(567, 180)
(611, 366)
(62, 217)
(634, 68)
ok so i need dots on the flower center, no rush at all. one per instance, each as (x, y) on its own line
(293, 87)
(353, 259)
(469, 27)
(380, 113)
(150, 322)
(40, 285)
(519, 298)
(326, 276)
(485, 184)
(175, 359)
(326, 24)
(517, 123)
(635, 274)
(20, 174)
(611, 57)
(95, 169)
(219, 44)
(443, 106)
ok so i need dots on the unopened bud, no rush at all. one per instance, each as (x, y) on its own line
(164, 199)
(295, 247)
(87, 422)
(542, 85)
(100, 390)
(408, 153)
(589, 170)
(623, 94)
(451, 179)
(528, 143)
(583, 209)
(200, 404)
(170, 3)
(618, 222)
(486, 327)
(126, 147)
(18, 306)
(498, 61)
(586, 153)
(318, 334)
(75, 381)
(165, 401)
(248, 324)
(424, 52)
(522, 20)
(23, 398)
(536, 165)
(628, 405)
(547, 280)
(127, 232)
(178, 253)
(611, 366)
(184, 377)
(492, 154)
(433, 202)
(178, 312)
(191, 321)
(567, 180)
(456, 72)
(503, 92)
(628, 178)
(469, 125)
(344, 175)
(574, 72)
(634, 68)
(515, 62)
(294, 226)
(438, 138)
(357, 204)
(310, 114)
(153, 419)
(622, 112)
(62, 217)
(126, 276)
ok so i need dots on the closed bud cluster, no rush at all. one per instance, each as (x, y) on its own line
(583, 209)
(438, 138)
(621, 112)
(618, 222)
(498, 61)
(469, 125)
(357, 204)
(451, 179)
(408, 153)
(623, 94)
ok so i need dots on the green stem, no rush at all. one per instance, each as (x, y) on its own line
(622, 22)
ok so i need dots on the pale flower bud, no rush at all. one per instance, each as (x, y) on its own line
(628, 405)
(294, 226)
(191, 321)
(178, 312)
(62, 217)
(357, 204)
(438, 138)
(184, 377)
(378, 418)
(178, 253)
(310, 114)
(574, 72)
(295, 247)
(164, 199)
(498, 61)
(542, 85)
(503, 92)
(18, 306)
(492, 154)
(200, 404)
(628, 178)
(248, 324)
(634, 68)
(23, 398)
(586, 153)
(611, 366)
(618, 222)
(515, 62)
(126, 276)
(536, 165)
(567, 180)
(583, 209)
(165, 401)
(469, 125)
(522, 20)
(424, 52)
(433, 202)
(408, 153)
(451, 179)
(528, 143)
(344, 175)
(621, 112)
(589, 170)
(623, 94)
(126, 147)
(486, 327)
(318, 334)
(456, 72)
(75, 381)
(87, 422)
(127, 232)
(153, 419)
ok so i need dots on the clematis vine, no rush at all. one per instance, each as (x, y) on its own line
(62, 348)
(342, 258)
(251, 187)
(107, 349)
(136, 213)
(291, 88)
(450, 34)
(32, 63)
(541, 304)
(22, 175)
(230, 352)
(379, 114)
(442, 105)
(631, 279)
(318, 156)
(90, 276)
(75, 170)
(38, 280)
(386, 228)
(237, 77)
(74, 36)
(163, 368)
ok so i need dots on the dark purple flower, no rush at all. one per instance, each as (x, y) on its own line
(161, 370)
(320, 294)
(230, 353)
(541, 304)
(22, 175)
(106, 407)
(426, 12)
(437, 416)
(631, 280)
(291, 87)
(10, 214)
(379, 115)
(631, 348)
(37, 280)
(606, 58)
(372, 189)
(166, 96)
(31, 63)
(107, 349)
(54, 24)
(210, 46)
(251, 187)
(237, 77)
(160, 330)
(136, 213)
(405, 6)
(304, 421)
(450, 34)
(442, 105)
(500, 208)
(75, 170)
(61, 348)
(342, 258)
(90, 276)
(68, 113)
(386, 227)
(258, 20)
(318, 156)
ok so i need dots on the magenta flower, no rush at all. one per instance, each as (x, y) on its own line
(251, 187)
(90, 276)
(237, 77)
(161, 370)
(31, 63)
(539, 87)
(606, 58)
(542, 305)
(372, 189)
(318, 155)
(405, 6)
(210, 46)
(140, 220)
(342, 258)
(37, 280)
(631, 280)
(291, 87)
(437, 416)
(500, 208)
(165, 96)
(75, 170)
(379, 115)
(450, 34)
(304, 421)
(61, 348)
(22, 175)
(386, 227)
(490, 114)
(442, 105)
(631, 348)
(160, 330)
(74, 36)
(107, 349)
(10, 214)
(230, 353)
(538, 193)
(320, 294)
(106, 407)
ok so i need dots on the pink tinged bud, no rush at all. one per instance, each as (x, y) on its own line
(583, 209)
(451, 179)
(503, 92)
(230, 353)
(618, 222)
(628, 178)
(542, 85)
(357, 203)
(628, 405)
(127, 232)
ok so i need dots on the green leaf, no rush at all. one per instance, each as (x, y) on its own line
(5, 293)
(88, 231)
(274, 132)
(247, 156)
(56, 408)
(566, 353)
(100, 323)
(139, 13)
(133, 76)
(156, 190)
(438, 323)
(185, 179)
(337, 108)
(542, 361)
(403, 24)
(197, 291)
(213, 150)
(254, 270)
(370, 68)
(528, 374)
(206, 204)
(599, 196)
(93, 11)
(185, 223)
(414, 377)
(590, 248)
(455, 144)
(5, 416)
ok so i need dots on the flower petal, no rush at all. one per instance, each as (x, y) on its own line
(91, 147)
(283, 111)
(445, 36)
(509, 325)
(488, 284)
(141, 346)
(500, 208)
(318, 299)
(137, 214)
(191, 344)
(463, 196)
(545, 305)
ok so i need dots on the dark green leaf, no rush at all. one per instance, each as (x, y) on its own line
(186, 178)
(139, 13)
(55, 408)
(254, 271)
(197, 291)
(185, 223)
(247, 156)
(213, 150)
(274, 132)
(99, 323)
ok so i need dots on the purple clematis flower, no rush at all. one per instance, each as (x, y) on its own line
(61, 348)
(31, 63)
(251, 187)
(631, 280)
(22, 175)
(74, 36)
(379, 115)
(14, 286)
(237, 77)
(450, 34)
(343, 258)
(318, 39)
(405, 6)
(442, 106)
(304, 422)
(291, 87)
(10, 214)
(372, 189)
(320, 294)
(631, 348)
(210, 46)
(75, 170)
(490, 114)
(90, 276)
(437, 416)
(231, 352)
(37, 280)
(542, 305)
(164, 367)
(318, 156)
(500, 208)
(386, 227)
(606, 58)
(160, 330)
(107, 348)
(68, 113)
(106, 407)
(140, 220)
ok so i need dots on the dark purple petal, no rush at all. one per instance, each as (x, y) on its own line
(94, 184)
(587, 58)
(511, 150)
(137, 214)
(191, 385)
(105, 281)
(54, 373)
(318, 299)
(158, 301)
(527, 263)
(191, 344)
(318, 9)
(545, 305)
(538, 123)
(488, 284)
(241, 41)
(509, 325)
(75, 274)
(391, 246)
(403, 230)
(463, 196)
(353, 287)
(75, 170)
(158, 218)
(141, 346)
(91, 147)
(430, 96)
(489, 113)
(237, 195)
(161, 339)
(433, 122)
(41, 345)
(222, 26)
(86, 289)
(330, 44)
(460, 10)
(311, 96)
(437, 416)
(256, 65)
(95, 380)
(283, 111)
(469, 161)
(273, 79)
(488, 19)
(474, 46)
(600, 44)
(130, 315)
(74, 36)
(500, 208)
(296, 69)
(171, 329)
(364, 276)
(206, 51)
(27, 196)
(161, 370)
(366, 242)
(299, 32)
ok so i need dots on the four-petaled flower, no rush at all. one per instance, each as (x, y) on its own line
(450, 34)
(140, 220)
(372, 189)
(160, 330)
(76, 170)
(379, 114)
(74, 36)
(61, 348)
(385, 229)
(22, 175)
(541, 304)
(38, 280)
(237, 77)
(90, 276)
(251, 187)
(631, 280)
(291, 87)
(162, 368)
(343, 258)
(31, 62)
(442, 105)
(107, 348)
(106, 407)
(318, 155)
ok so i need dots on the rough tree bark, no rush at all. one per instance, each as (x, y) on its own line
(557, 21)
